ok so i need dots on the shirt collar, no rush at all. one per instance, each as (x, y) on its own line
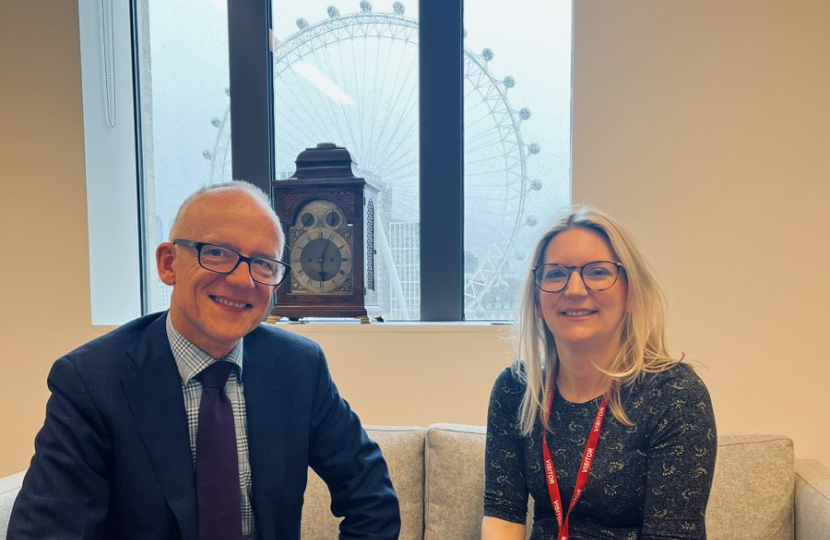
(191, 360)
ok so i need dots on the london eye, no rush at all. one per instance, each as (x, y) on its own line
(352, 79)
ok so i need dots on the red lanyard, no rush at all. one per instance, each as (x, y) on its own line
(584, 469)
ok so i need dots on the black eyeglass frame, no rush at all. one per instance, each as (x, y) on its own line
(620, 267)
(198, 246)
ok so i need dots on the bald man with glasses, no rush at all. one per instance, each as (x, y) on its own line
(200, 423)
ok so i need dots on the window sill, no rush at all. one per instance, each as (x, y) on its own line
(394, 327)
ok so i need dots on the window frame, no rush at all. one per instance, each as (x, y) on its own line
(441, 135)
(112, 160)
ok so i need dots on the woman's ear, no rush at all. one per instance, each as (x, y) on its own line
(165, 256)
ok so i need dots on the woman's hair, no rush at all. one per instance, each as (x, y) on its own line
(643, 348)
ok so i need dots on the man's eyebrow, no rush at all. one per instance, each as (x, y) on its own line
(255, 255)
(258, 255)
(265, 256)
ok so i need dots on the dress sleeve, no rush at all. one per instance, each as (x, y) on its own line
(681, 457)
(505, 489)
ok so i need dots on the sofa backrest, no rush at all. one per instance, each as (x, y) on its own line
(454, 482)
(403, 449)
(437, 473)
(752, 491)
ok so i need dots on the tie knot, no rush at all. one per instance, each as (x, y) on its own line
(216, 374)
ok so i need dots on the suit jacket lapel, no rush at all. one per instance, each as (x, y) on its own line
(154, 393)
(266, 401)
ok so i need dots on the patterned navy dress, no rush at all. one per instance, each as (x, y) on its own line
(648, 481)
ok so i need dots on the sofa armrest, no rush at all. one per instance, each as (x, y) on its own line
(812, 500)
(9, 486)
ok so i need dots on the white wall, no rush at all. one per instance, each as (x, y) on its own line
(703, 125)
(44, 276)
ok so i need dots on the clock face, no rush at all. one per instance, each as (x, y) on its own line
(321, 252)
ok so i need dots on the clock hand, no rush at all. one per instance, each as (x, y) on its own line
(323, 261)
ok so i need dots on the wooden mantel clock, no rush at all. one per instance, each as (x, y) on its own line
(329, 217)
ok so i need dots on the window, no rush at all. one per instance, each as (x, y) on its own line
(516, 143)
(109, 142)
(352, 78)
(183, 93)
(405, 89)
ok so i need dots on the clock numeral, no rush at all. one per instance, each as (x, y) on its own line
(300, 272)
(309, 280)
(344, 259)
(319, 235)
(340, 247)
(342, 272)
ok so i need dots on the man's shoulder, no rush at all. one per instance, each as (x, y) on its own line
(268, 349)
(269, 337)
(115, 344)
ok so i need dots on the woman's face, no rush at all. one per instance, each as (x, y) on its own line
(578, 317)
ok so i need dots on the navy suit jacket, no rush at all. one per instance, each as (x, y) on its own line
(113, 459)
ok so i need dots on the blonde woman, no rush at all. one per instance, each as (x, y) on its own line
(611, 436)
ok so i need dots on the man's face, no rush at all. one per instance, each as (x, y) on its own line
(214, 311)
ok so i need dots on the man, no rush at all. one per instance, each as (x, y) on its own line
(133, 441)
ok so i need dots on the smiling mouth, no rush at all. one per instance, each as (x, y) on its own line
(230, 303)
(577, 312)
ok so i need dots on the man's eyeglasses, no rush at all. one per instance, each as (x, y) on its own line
(596, 275)
(224, 260)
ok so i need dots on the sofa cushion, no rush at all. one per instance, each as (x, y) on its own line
(752, 492)
(403, 449)
(454, 482)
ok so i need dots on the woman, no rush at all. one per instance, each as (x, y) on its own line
(591, 342)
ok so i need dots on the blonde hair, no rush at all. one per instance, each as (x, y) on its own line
(643, 348)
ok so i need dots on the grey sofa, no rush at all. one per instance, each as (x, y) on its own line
(760, 491)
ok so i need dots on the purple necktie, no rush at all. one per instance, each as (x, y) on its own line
(217, 470)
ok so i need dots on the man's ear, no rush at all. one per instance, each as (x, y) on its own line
(165, 255)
